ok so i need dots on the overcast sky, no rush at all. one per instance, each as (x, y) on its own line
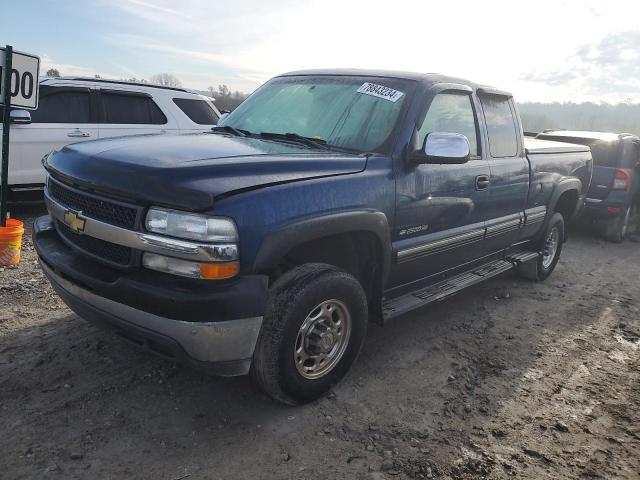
(544, 50)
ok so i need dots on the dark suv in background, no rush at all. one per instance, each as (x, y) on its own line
(613, 198)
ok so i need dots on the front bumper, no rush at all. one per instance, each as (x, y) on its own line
(222, 345)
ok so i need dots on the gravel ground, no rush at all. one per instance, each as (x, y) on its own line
(510, 379)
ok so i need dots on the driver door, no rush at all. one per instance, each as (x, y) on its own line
(440, 209)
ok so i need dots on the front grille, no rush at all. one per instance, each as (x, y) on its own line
(94, 207)
(106, 251)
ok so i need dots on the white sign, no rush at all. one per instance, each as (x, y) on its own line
(24, 80)
(380, 91)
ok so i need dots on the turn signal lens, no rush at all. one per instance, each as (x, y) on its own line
(217, 271)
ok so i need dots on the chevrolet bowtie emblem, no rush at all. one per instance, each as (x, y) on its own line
(74, 221)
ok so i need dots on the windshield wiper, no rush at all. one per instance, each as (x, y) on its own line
(317, 143)
(238, 132)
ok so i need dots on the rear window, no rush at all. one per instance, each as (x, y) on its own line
(630, 154)
(501, 126)
(198, 111)
(126, 108)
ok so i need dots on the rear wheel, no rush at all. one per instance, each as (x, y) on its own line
(552, 242)
(313, 330)
(550, 248)
(617, 229)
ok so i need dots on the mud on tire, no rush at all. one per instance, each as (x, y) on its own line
(294, 303)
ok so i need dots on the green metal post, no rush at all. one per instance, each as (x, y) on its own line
(6, 124)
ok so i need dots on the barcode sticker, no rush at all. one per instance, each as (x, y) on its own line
(380, 91)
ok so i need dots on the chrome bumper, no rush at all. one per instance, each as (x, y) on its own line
(227, 342)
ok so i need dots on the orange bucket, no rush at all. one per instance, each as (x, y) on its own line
(11, 242)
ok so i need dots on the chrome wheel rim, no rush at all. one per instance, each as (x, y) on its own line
(322, 339)
(550, 247)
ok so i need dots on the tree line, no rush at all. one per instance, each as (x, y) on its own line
(600, 117)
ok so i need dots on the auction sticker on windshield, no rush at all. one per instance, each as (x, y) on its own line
(380, 91)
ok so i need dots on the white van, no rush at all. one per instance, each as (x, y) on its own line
(74, 110)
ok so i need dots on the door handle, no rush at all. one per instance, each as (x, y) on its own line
(77, 133)
(482, 182)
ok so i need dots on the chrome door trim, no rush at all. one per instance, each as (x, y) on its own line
(440, 245)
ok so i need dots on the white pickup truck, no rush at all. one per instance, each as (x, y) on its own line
(79, 109)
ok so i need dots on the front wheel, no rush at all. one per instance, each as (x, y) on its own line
(313, 330)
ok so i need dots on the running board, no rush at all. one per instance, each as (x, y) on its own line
(439, 291)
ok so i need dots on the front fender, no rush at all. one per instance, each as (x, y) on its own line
(277, 243)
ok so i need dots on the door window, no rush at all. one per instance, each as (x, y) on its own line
(125, 108)
(501, 126)
(451, 113)
(62, 105)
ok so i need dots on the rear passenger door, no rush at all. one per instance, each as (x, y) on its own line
(509, 166)
(129, 113)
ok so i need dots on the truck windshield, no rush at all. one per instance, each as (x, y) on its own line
(354, 113)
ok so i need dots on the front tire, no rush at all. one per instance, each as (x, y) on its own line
(313, 330)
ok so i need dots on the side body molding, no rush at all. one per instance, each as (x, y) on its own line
(279, 242)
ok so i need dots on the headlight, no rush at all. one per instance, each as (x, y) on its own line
(191, 226)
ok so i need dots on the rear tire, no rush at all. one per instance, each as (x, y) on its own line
(550, 248)
(616, 230)
(313, 330)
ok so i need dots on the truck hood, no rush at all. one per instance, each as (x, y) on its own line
(189, 171)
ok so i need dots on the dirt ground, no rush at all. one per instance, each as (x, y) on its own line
(510, 379)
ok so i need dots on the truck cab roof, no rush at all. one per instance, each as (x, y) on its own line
(424, 78)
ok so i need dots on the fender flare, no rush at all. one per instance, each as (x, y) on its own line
(277, 243)
(563, 187)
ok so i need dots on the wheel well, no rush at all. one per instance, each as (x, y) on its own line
(567, 204)
(357, 253)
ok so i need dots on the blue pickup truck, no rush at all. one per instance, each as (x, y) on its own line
(326, 200)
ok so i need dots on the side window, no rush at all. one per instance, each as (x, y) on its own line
(123, 108)
(62, 105)
(501, 126)
(198, 111)
(452, 113)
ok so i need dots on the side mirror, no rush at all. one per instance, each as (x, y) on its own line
(20, 117)
(443, 148)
